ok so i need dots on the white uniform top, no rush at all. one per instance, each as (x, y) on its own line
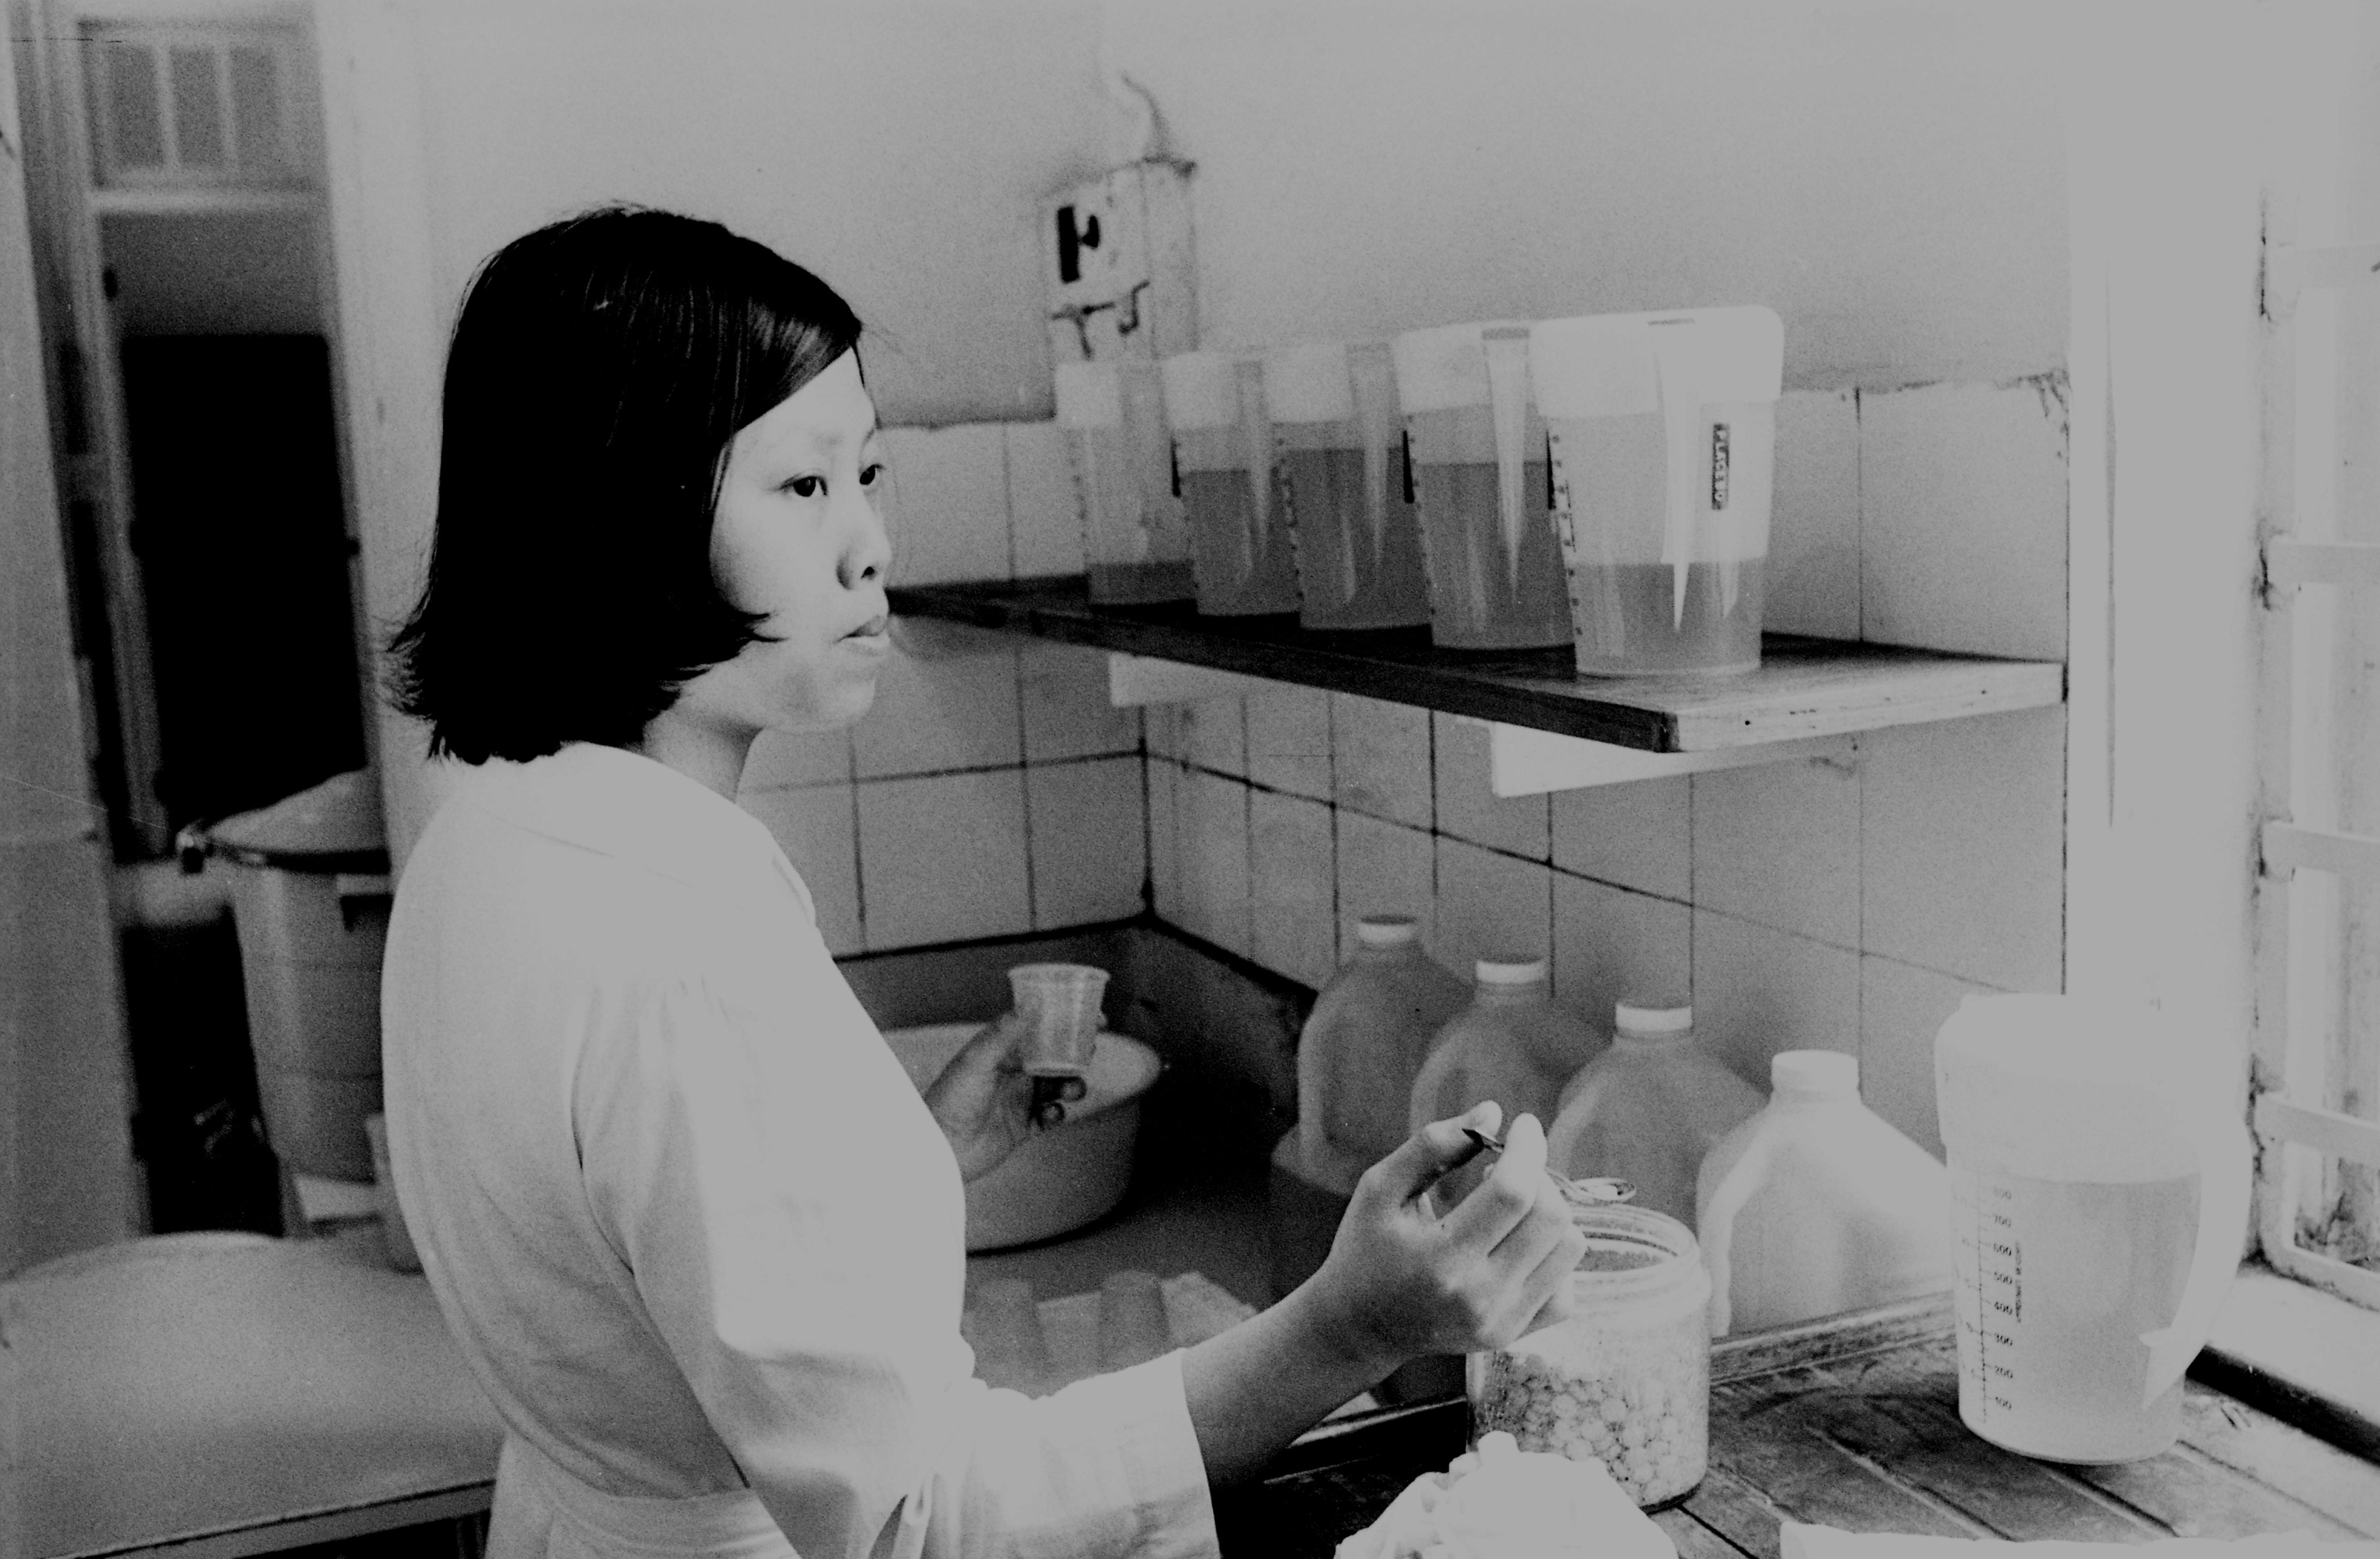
(693, 1227)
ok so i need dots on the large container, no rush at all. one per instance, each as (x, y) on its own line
(1482, 488)
(2099, 1174)
(1060, 1179)
(310, 903)
(1513, 1044)
(1241, 550)
(1817, 1205)
(1649, 1108)
(1663, 430)
(1372, 1028)
(1135, 548)
(1338, 460)
(1626, 1379)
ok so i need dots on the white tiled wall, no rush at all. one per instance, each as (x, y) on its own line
(993, 789)
(1844, 902)
(1840, 903)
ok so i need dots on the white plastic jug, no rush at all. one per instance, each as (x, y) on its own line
(1372, 1027)
(1514, 1044)
(2099, 1169)
(1663, 432)
(1649, 1108)
(1817, 1205)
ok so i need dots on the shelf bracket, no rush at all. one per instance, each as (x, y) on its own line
(1525, 762)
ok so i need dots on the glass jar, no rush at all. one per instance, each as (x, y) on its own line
(1626, 1379)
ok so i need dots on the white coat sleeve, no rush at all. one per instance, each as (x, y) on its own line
(806, 1280)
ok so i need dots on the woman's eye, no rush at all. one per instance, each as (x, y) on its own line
(871, 475)
(806, 487)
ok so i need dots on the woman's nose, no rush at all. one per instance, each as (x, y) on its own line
(869, 553)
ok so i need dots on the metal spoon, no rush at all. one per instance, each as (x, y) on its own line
(1595, 1190)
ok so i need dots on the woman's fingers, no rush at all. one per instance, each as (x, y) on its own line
(1506, 1193)
(1428, 1154)
(1545, 1294)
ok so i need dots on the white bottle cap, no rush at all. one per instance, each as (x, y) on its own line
(1387, 931)
(1445, 366)
(1309, 384)
(1813, 1074)
(1509, 971)
(1089, 395)
(1609, 365)
(1202, 390)
(1653, 1017)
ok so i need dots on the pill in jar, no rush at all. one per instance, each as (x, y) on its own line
(1626, 1379)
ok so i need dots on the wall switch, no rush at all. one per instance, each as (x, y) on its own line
(1117, 256)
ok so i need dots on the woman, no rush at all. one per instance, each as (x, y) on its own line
(700, 1237)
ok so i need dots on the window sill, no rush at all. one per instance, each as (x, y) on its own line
(2308, 1358)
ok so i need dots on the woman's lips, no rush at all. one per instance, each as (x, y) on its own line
(876, 630)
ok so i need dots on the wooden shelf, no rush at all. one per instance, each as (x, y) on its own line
(1806, 688)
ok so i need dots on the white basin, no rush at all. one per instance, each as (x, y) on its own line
(1058, 1180)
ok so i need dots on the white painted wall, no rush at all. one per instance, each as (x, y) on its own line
(896, 149)
(1889, 177)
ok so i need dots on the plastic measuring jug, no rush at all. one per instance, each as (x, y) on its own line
(2099, 1176)
(1239, 549)
(1060, 1004)
(1476, 448)
(1136, 547)
(1663, 430)
(1338, 452)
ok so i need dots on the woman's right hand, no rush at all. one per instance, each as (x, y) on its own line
(1403, 1279)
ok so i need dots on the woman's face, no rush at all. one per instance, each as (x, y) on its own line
(798, 534)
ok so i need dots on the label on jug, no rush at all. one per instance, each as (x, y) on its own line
(1719, 467)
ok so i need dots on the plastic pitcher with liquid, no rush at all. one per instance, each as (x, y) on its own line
(1339, 456)
(1476, 449)
(1135, 548)
(2099, 1179)
(1663, 431)
(1241, 550)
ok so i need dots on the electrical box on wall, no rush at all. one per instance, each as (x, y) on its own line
(1117, 255)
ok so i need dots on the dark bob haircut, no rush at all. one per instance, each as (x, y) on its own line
(600, 369)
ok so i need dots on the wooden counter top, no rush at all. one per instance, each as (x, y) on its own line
(1857, 1426)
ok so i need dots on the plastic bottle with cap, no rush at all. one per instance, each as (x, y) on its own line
(1817, 1205)
(1369, 1033)
(1371, 1029)
(1649, 1108)
(1513, 1044)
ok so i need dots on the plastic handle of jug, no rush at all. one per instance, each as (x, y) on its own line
(1715, 1226)
(1682, 420)
(2225, 1166)
(1256, 439)
(1508, 405)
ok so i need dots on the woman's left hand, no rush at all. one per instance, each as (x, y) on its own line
(983, 1101)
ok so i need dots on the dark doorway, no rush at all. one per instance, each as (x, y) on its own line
(244, 558)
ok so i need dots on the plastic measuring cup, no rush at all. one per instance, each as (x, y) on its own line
(1060, 1003)
(1241, 553)
(2099, 1185)
(1477, 452)
(1338, 456)
(1663, 432)
(1135, 545)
